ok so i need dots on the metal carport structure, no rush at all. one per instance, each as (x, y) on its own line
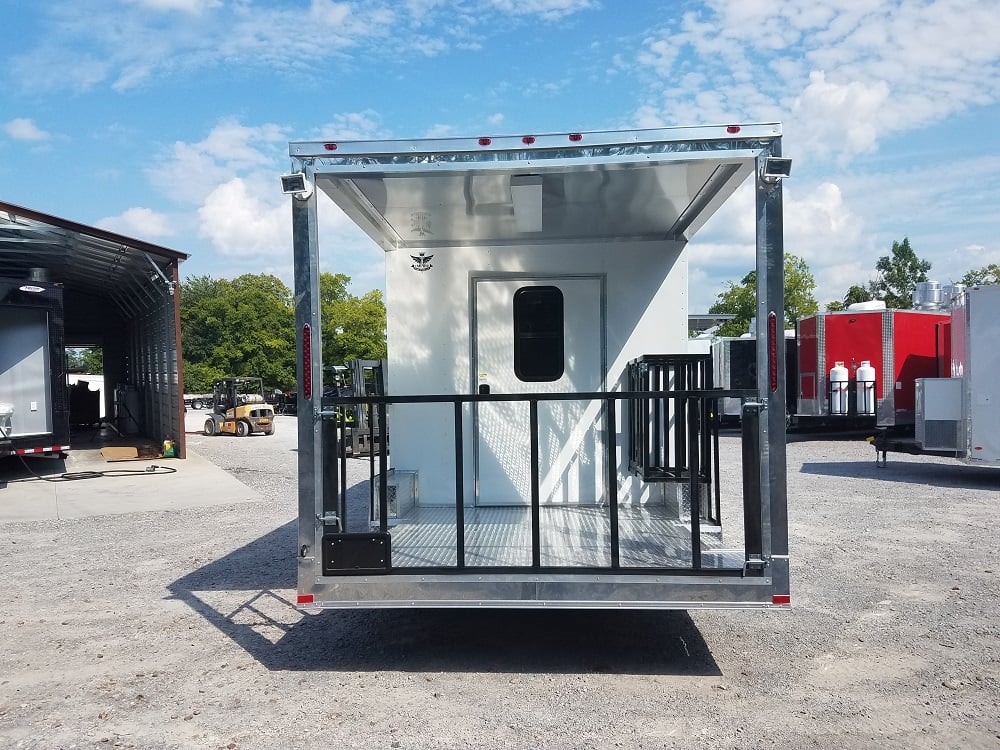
(120, 294)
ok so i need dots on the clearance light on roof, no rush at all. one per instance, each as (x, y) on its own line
(528, 140)
(485, 141)
(733, 129)
(575, 137)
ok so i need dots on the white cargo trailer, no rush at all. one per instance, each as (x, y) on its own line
(958, 416)
(547, 446)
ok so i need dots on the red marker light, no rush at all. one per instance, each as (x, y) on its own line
(528, 140)
(330, 146)
(305, 599)
(307, 384)
(576, 137)
(772, 351)
(485, 141)
(733, 129)
(781, 599)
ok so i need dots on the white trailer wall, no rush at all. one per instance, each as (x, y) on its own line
(428, 331)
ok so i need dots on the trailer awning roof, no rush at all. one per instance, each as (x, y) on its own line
(639, 185)
(132, 274)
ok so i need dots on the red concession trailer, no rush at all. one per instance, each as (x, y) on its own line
(900, 345)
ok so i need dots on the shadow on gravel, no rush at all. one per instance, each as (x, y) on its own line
(910, 471)
(279, 636)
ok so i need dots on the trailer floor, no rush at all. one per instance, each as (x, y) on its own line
(574, 536)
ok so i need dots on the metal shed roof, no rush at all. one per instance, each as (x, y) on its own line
(119, 294)
(132, 274)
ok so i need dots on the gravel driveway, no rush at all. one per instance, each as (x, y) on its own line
(177, 630)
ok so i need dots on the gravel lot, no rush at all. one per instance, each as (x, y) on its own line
(177, 630)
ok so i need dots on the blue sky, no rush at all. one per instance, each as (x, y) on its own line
(169, 120)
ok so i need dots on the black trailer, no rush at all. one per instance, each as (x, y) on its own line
(34, 399)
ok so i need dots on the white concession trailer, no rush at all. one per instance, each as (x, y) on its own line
(543, 437)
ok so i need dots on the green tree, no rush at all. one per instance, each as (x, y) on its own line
(87, 359)
(854, 295)
(93, 360)
(986, 275)
(353, 327)
(897, 276)
(246, 327)
(243, 327)
(741, 299)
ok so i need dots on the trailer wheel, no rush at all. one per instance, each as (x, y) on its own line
(209, 426)
(242, 429)
(197, 404)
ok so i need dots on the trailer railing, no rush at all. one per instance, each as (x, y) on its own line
(369, 552)
(660, 444)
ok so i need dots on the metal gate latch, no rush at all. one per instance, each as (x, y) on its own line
(329, 519)
(756, 562)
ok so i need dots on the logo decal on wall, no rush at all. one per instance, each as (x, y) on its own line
(421, 262)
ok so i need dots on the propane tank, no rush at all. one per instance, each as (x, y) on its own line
(838, 388)
(866, 388)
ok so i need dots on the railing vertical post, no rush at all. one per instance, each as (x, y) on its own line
(383, 471)
(333, 501)
(752, 513)
(612, 492)
(459, 488)
(536, 555)
(341, 441)
(369, 412)
(693, 484)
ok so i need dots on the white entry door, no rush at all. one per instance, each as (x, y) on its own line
(539, 335)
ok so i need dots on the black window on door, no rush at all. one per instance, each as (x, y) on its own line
(539, 334)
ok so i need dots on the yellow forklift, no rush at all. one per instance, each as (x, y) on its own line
(239, 408)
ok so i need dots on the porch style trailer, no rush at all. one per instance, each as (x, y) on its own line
(550, 441)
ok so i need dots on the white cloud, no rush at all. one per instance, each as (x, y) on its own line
(194, 7)
(191, 171)
(239, 221)
(551, 10)
(842, 74)
(353, 126)
(88, 43)
(24, 129)
(819, 227)
(842, 120)
(139, 222)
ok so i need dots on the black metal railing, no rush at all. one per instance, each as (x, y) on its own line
(698, 422)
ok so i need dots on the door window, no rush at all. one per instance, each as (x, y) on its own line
(538, 334)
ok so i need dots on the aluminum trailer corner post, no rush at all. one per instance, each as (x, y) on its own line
(309, 380)
(771, 366)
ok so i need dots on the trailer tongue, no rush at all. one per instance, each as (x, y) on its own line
(552, 443)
